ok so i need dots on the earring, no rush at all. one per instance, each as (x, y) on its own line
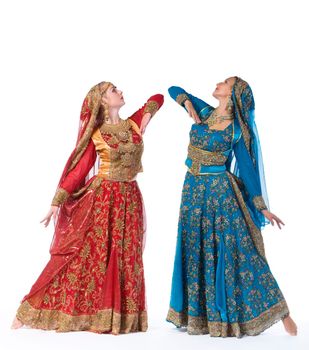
(105, 112)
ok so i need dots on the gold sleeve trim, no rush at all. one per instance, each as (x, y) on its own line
(259, 203)
(151, 107)
(60, 196)
(182, 98)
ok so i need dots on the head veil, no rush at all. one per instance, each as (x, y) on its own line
(243, 104)
(88, 121)
(74, 215)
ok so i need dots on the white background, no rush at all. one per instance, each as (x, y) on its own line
(53, 52)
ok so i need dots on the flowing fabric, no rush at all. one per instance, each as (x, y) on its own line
(244, 110)
(222, 283)
(88, 115)
(94, 280)
(101, 284)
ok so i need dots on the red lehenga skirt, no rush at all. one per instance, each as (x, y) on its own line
(94, 280)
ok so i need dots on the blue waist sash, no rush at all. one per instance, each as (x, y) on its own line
(206, 169)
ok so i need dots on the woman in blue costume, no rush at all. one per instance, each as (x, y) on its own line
(222, 284)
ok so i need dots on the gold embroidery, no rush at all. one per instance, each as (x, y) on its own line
(85, 252)
(103, 321)
(259, 203)
(119, 131)
(200, 325)
(240, 86)
(215, 118)
(72, 278)
(182, 98)
(60, 196)
(93, 185)
(91, 286)
(94, 102)
(201, 157)
(131, 305)
(209, 173)
(254, 231)
(92, 105)
(135, 127)
(151, 107)
(120, 156)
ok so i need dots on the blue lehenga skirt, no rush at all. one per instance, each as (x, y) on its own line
(222, 284)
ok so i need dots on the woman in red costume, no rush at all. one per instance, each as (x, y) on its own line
(94, 280)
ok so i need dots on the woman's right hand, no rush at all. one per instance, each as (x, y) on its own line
(51, 214)
(192, 112)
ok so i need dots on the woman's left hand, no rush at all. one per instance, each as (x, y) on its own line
(272, 218)
(145, 121)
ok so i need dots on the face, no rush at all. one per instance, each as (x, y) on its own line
(113, 97)
(224, 88)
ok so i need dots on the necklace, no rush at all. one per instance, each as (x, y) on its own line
(119, 132)
(216, 118)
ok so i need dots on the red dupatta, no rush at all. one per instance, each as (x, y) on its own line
(75, 214)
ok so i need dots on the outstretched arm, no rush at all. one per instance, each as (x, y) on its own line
(144, 114)
(249, 176)
(72, 181)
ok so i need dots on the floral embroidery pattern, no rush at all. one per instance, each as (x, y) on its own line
(80, 296)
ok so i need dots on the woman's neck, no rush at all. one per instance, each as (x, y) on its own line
(222, 108)
(113, 116)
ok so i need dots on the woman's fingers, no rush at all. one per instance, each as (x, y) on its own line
(45, 221)
(47, 218)
(52, 213)
(198, 120)
(194, 116)
(279, 222)
(274, 219)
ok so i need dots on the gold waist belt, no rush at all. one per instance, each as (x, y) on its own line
(205, 157)
(201, 157)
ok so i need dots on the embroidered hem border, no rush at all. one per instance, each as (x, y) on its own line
(200, 325)
(104, 321)
(255, 233)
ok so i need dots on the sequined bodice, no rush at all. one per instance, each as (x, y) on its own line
(209, 149)
(120, 148)
(211, 140)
